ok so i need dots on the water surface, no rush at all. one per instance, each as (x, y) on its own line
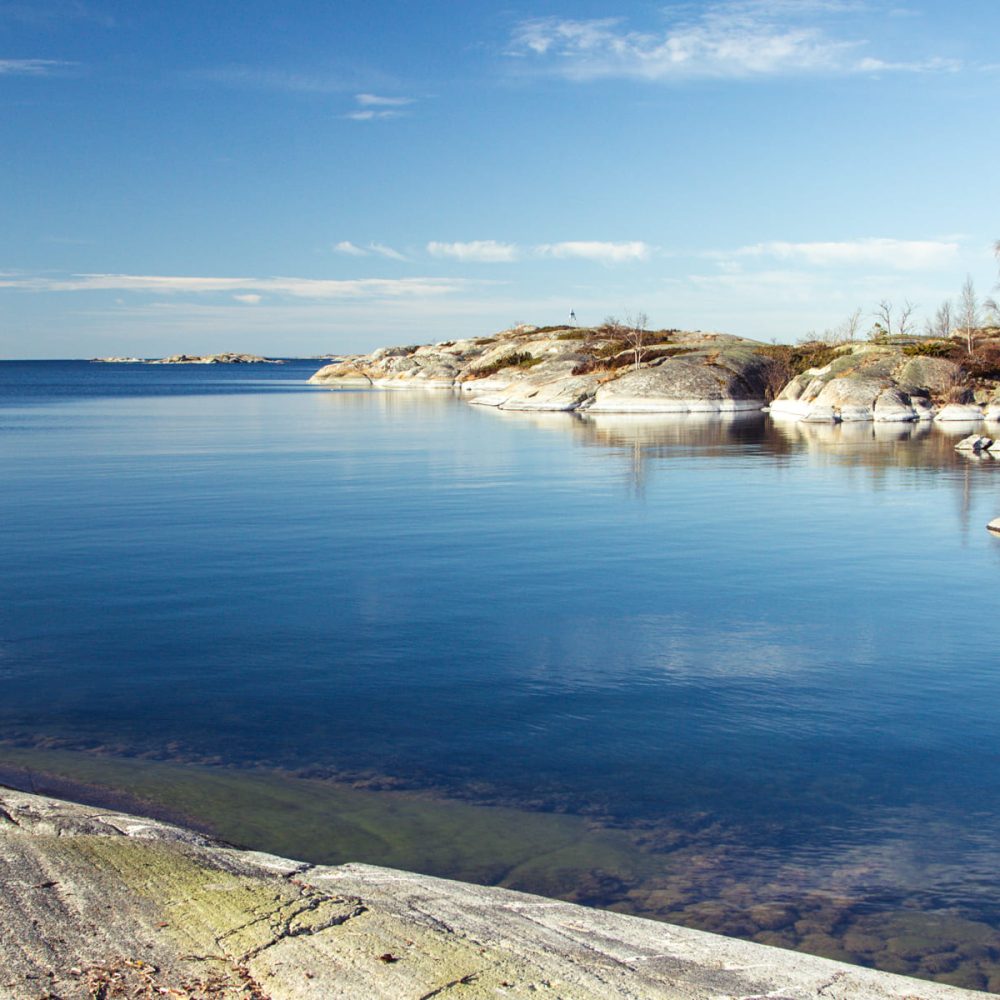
(762, 653)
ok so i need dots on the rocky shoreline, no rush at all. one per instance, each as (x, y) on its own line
(598, 370)
(102, 903)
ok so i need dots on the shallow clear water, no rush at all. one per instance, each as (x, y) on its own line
(777, 639)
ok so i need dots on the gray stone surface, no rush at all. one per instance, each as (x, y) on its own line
(98, 903)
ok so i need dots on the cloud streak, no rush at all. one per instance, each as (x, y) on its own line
(379, 249)
(33, 67)
(373, 108)
(605, 253)
(478, 251)
(299, 288)
(901, 255)
(492, 251)
(727, 40)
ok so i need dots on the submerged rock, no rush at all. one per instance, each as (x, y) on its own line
(99, 903)
(974, 442)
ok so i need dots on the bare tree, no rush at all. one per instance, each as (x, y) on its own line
(992, 304)
(941, 324)
(968, 313)
(636, 334)
(851, 324)
(904, 325)
(992, 307)
(883, 320)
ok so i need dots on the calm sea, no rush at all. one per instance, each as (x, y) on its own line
(765, 655)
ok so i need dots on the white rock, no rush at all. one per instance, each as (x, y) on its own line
(975, 442)
(792, 409)
(959, 411)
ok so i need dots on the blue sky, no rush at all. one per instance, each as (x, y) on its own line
(303, 176)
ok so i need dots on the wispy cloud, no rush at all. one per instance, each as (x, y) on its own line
(606, 253)
(378, 249)
(373, 108)
(50, 13)
(375, 101)
(370, 116)
(493, 251)
(480, 251)
(901, 255)
(250, 298)
(729, 39)
(351, 249)
(303, 288)
(34, 67)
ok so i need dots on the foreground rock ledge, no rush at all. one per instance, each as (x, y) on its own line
(99, 903)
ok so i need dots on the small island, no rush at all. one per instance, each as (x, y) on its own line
(228, 358)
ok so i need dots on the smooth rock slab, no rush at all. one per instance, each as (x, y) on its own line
(676, 386)
(94, 898)
(959, 412)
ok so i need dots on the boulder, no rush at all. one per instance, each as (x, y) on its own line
(936, 374)
(892, 405)
(341, 373)
(974, 443)
(676, 386)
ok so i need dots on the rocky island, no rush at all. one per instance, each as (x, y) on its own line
(612, 369)
(99, 903)
(228, 358)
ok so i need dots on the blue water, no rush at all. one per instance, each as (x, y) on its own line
(789, 631)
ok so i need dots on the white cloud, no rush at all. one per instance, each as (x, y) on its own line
(353, 250)
(303, 288)
(32, 67)
(480, 251)
(250, 298)
(373, 108)
(371, 116)
(901, 255)
(375, 101)
(384, 251)
(607, 253)
(728, 39)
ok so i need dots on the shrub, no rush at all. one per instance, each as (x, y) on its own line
(930, 349)
(984, 362)
(521, 359)
(960, 394)
(555, 329)
(802, 357)
(623, 358)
